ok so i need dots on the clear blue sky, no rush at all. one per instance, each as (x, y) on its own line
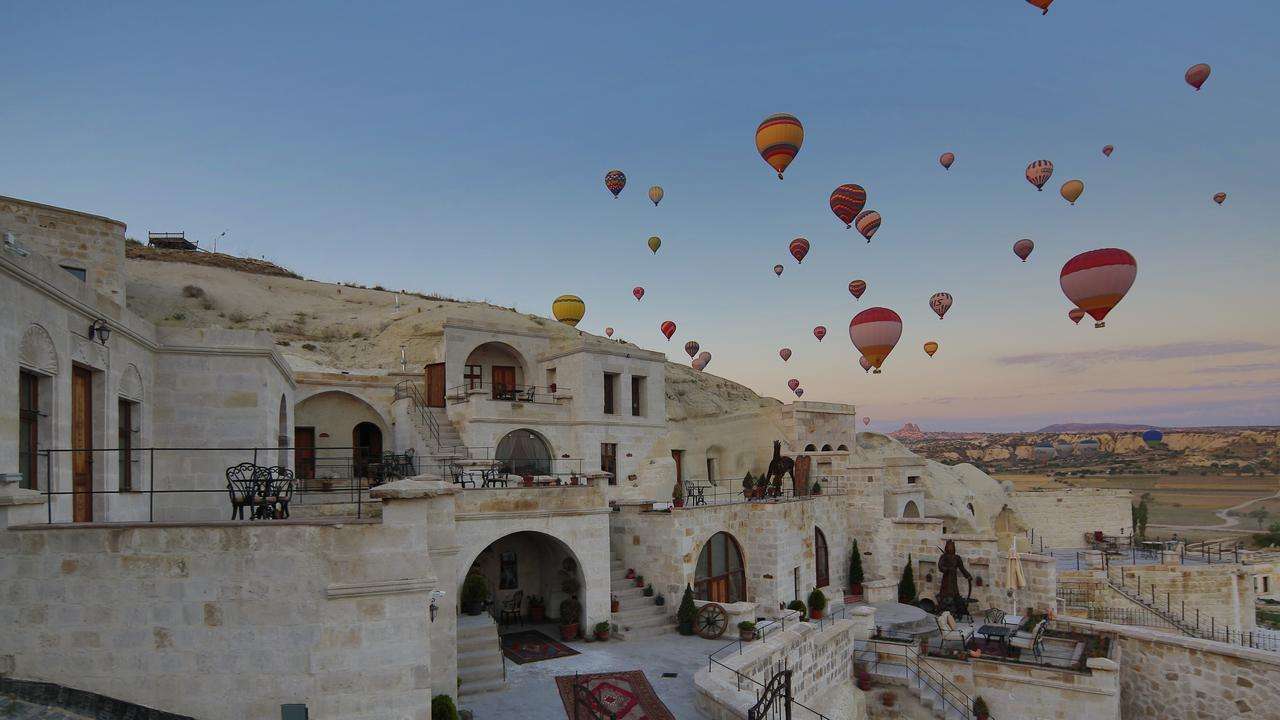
(460, 149)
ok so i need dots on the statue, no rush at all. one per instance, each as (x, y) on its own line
(951, 566)
(780, 465)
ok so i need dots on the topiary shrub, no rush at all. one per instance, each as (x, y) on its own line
(799, 606)
(855, 567)
(817, 600)
(442, 708)
(687, 613)
(907, 586)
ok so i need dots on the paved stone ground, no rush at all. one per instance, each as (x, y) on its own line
(531, 689)
(11, 709)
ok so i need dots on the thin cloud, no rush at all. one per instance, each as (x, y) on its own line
(1168, 351)
(1245, 368)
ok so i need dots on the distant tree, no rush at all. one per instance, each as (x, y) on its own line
(1143, 512)
(907, 586)
(1259, 515)
(1270, 538)
(1133, 519)
(855, 565)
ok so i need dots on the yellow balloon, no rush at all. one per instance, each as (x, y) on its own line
(1071, 190)
(655, 242)
(930, 348)
(568, 309)
(655, 194)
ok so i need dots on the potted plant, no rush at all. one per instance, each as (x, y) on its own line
(864, 680)
(775, 490)
(748, 487)
(888, 699)
(817, 604)
(474, 594)
(602, 631)
(659, 600)
(798, 606)
(526, 480)
(980, 710)
(855, 571)
(613, 603)
(631, 574)
(648, 590)
(677, 493)
(747, 631)
(442, 708)
(570, 609)
(907, 586)
(573, 479)
(687, 613)
(537, 609)
(817, 488)
(639, 581)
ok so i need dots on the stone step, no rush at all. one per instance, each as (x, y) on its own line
(484, 686)
(477, 656)
(624, 613)
(480, 673)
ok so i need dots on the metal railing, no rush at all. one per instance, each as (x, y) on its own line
(926, 677)
(774, 702)
(166, 474)
(1191, 623)
(729, 492)
(409, 389)
(504, 392)
(583, 699)
(511, 472)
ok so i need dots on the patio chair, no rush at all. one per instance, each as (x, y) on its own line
(242, 489)
(408, 463)
(265, 505)
(1032, 640)
(993, 616)
(529, 394)
(510, 611)
(282, 482)
(951, 631)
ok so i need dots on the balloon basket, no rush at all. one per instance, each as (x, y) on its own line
(876, 371)
(1099, 325)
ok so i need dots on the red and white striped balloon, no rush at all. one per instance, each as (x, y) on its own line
(874, 332)
(1097, 280)
(668, 328)
(799, 248)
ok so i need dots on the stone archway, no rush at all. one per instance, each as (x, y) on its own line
(911, 510)
(720, 573)
(525, 564)
(524, 452)
(37, 351)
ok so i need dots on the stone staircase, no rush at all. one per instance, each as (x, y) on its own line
(924, 686)
(480, 664)
(637, 615)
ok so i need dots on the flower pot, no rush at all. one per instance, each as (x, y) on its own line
(631, 573)
(864, 684)
(815, 614)
(677, 502)
(855, 589)
(569, 631)
(526, 480)
(537, 614)
(602, 635)
(747, 635)
(614, 605)
(659, 601)
(639, 581)
(685, 628)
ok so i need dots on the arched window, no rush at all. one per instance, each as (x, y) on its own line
(821, 570)
(826, 448)
(810, 448)
(720, 576)
(524, 452)
(842, 447)
(910, 510)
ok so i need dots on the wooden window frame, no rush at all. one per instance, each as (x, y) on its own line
(29, 418)
(821, 558)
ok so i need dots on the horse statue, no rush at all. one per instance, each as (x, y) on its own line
(780, 465)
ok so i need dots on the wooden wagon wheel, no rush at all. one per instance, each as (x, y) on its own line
(712, 621)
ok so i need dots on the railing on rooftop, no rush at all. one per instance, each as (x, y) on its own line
(409, 389)
(729, 492)
(506, 392)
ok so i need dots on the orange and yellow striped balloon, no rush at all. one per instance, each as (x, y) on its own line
(568, 309)
(778, 140)
(930, 348)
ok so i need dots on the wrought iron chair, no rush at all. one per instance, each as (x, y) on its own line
(510, 612)
(1033, 640)
(264, 506)
(243, 489)
(529, 394)
(282, 482)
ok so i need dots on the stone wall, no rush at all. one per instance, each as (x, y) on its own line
(1222, 592)
(91, 243)
(227, 620)
(1061, 518)
(1026, 692)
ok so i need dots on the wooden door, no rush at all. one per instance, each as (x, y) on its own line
(504, 380)
(304, 457)
(366, 441)
(801, 472)
(82, 442)
(678, 456)
(435, 385)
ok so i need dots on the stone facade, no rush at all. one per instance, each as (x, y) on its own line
(71, 239)
(1062, 518)
(1222, 592)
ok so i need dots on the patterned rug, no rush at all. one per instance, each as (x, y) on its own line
(627, 694)
(529, 646)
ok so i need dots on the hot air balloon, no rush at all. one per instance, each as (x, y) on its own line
(940, 303)
(930, 348)
(1076, 315)
(568, 309)
(799, 392)
(868, 221)
(799, 248)
(1023, 248)
(1097, 280)
(946, 159)
(668, 328)
(698, 364)
(847, 201)
(1220, 198)
(1152, 437)
(608, 332)
(785, 354)
(691, 348)
(865, 421)
(655, 242)
(1039, 172)
(1108, 149)
(638, 292)
(874, 332)
(1197, 74)
(704, 358)
(1071, 190)
(820, 332)
(655, 194)
(857, 287)
(615, 180)
(1042, 4)
(865, 363)
(793, 383)
(778, 139)
(777, 270)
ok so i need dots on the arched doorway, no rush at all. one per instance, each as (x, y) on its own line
(524, 566)
(721, 574)
(366, 443)
(524, 452)
(822, 571)
(497, 367)
(911, 510)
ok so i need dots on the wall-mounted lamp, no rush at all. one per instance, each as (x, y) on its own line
(434, 608)
(11, 245)
(100, 330)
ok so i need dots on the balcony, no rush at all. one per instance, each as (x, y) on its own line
(507, 393)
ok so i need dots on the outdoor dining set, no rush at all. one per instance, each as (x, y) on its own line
(1004, 631)
(264, 491)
